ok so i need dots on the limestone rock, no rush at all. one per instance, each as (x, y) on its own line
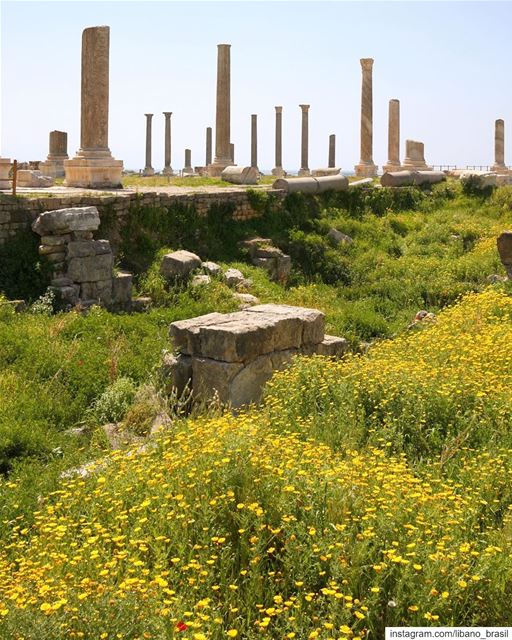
(337, 237)
(91, 268)
(234, 278)
(212, 268)
(86, 248)
(122, 290)
(140, 304)
(240, 175)
(31, 179)
(332, 346)
(176, 370)
(246, 300)
(213, 378)
(63, 221)
(504, 244)
(178, 265)
(185, 333)
(200, 280)
(313, 321)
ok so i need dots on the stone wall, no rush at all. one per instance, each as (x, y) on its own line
(18, 213)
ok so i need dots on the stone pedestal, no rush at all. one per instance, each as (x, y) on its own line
(304, 168)
(366, 168)
(415, 157)
(278, 170)
(167, 170)
(393, 163)
(93, 166)
(254, 141)
(499, 165)
(53, 166)
(5, 167)
(223, 112)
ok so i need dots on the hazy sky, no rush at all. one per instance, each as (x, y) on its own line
(447, 62)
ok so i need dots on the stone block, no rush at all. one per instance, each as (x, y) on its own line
(504, 243)
(295, 185)
(55, 240)
(100, 290)
(247, 385)
(200, 280)
(332, 183)
(91, 269)
(33, 179)
(86, 248)
(240, 175)
(55, 256)
(185, 333)
(178, 265)
(122, 289)
(47, 249)
(246, 300)
(63, 221)
(212, 268)
(212, 378)
(327, 171)
(140, 304)
(234, 278)
(176, 370)
(332, 346)
(313, 321)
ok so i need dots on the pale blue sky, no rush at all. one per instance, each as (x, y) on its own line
(447, 62)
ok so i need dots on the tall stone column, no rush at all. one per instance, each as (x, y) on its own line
(278, 169)
(332, 151)
(93, 165)
(187, 169)
(499, 147)
(393, 163)
(304, 168)
(208, 146)
(232, 153)
(366, 168)
(53, 166)
(223, 112)
(167, 170)
(254, 141)
(148, 169)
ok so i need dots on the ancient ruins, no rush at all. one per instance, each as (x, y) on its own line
(230, 357)
(93, 165)
(53, 166)
(366, 167)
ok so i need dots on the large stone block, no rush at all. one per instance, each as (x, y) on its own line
(122, 289)
(33, 179)
(185, 333)
(212, 378)
(176, 371)
(61, 221)
(247, 385)
(91, 269)
(85, 248)
(178, 265)
(100, 290)
(312, 320)
(240, 175)
(504, 243)
(332, 346)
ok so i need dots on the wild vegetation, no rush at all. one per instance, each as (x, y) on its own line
(363, 493)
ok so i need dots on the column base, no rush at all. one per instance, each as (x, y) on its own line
(93, 172)
(5, 184)
(53, 168)
(5, 167)
(415, 165)
(278, 172)
(501, 169)
(188, 171)
(167, 171)
(366, 170)
(148, 171)
(216, 168)
(304, 173)
(392, 166)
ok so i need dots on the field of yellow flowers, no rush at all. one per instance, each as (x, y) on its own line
(372, 492)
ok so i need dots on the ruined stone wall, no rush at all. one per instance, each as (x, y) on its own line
(18, 213)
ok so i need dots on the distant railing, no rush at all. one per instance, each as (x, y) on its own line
(444, 167)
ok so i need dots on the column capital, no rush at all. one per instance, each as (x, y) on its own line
(366, 64)
(223, 45)
(394, 101)
(149, 115)
(279, 109)
(167, 114)
(304, 107)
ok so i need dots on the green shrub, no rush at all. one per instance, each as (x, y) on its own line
(114, 402)
(317, 259)
(24, 273)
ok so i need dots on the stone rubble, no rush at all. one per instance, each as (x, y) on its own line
(82, 267)
(264, 254)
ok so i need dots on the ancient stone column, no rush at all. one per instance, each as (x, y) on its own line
(208, 146)
(415, 157)
(254, 141)
(167, 170)
(187, 169)
(53, 166)
(223, 112)
(304, 168)
(232, 153)
(366, 167)
(332, 151)
(148, 169)
(278, 169)
(499, 147)
(93, 165)
(393, 163)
